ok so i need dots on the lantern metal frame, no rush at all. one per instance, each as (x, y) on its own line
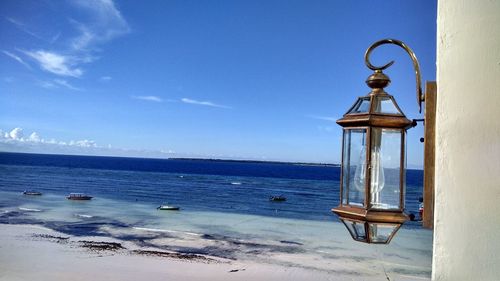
(369, 120)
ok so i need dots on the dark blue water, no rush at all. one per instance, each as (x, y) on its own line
(198, 185)
(205, 167)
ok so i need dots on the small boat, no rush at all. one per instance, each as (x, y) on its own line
(78, 196)
(31, 192)
(279, 198)
(168, 208)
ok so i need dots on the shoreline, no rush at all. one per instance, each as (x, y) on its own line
(34, 252)
(31, 252)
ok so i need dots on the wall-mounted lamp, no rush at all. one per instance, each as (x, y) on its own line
(373, 182)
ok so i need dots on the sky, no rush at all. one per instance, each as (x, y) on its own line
(258, 80)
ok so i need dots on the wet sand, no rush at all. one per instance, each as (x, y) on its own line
(34, 253)
(31, 252)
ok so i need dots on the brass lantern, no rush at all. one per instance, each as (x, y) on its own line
(372, 185)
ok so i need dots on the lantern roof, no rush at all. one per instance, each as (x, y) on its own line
(377, 109)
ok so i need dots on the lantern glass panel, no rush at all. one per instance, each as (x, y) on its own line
(356, 229)
(385, 177)
(362, 105)
(354, 167)
(384, 104)
(381, 232)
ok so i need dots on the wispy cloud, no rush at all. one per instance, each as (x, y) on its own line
(55, 38)
(46, 84)
(67, 85)
(84, 39)
(23, 27)
(203, 103)
(57, 83)
(107, 23)
(327, 129)
(105, 78)
(56, 63)
(16, 58)
(98, 22)
(26, 29)
(148, 98)
(324, 118)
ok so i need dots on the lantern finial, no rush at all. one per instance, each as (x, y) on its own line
(378, 80)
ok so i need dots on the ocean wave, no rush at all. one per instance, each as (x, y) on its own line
(83, 216)
(165, 230)
(29, 209)
(236, 183)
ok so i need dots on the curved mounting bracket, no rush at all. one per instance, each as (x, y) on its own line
(416, 66)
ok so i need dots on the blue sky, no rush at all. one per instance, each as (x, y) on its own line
(259, 80)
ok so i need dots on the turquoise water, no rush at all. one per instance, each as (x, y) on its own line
(228, 216)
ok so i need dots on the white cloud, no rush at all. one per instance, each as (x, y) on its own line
(16, 58)
(56, 63)
(34, 137)
(204, 103)
(83, 143)
(16, 134)
(14, 141)
(148, 98)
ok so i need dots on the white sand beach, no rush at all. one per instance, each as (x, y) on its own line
(30, 252)
(35, 253)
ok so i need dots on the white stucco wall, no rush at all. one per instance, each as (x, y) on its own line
(467, 207)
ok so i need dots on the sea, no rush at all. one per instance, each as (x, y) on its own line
(224, 211)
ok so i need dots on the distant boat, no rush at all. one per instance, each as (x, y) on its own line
(279, 198)
(78, 196)
(168, 208)
(31, 192)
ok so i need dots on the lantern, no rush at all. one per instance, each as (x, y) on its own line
(372, 185)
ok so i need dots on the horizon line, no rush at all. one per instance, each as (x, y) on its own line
(414, 167)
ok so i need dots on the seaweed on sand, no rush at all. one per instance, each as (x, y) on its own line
(173, 255)
(101, 246)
